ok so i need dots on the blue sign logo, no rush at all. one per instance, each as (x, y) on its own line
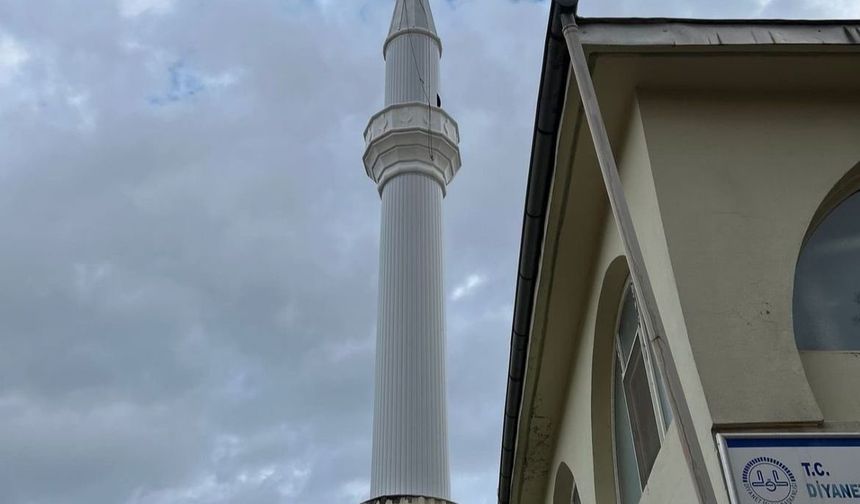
(769, 481)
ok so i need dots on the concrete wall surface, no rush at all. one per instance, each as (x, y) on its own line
(739, 177)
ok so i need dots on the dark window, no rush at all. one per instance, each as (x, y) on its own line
(563, 485)
(827, 282)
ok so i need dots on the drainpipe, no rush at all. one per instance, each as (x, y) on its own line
(693, 455)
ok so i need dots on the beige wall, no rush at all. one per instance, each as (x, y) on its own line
(744, 174)
(722, 184)
(585, 437)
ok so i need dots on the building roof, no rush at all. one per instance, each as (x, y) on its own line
(646, 33)
(620, 35)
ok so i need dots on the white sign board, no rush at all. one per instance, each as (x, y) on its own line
(791, 468)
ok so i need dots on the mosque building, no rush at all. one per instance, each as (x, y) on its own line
(687, 316)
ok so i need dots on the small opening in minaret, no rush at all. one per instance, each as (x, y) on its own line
(438, 101)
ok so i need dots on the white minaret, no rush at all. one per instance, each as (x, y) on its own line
(412, 155)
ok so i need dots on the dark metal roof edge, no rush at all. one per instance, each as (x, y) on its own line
(554, 73)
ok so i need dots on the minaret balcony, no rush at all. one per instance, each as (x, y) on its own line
(412, 138)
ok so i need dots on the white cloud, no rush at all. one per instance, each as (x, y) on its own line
(13, 55)
(468, 286)
(221, 80)
(185, 82)
(840, 8)
(89, 276)
(134, 8)
(81, 105)
(35, 81)
(355, 490)
(835, 9)
(267, 482)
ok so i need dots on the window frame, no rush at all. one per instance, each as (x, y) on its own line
(846, 187)
(642, 337)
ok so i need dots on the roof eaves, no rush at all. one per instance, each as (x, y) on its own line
(649, 32)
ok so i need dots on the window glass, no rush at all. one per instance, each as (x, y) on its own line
(576, 497)
(627, 473)
(628, 324)
(640, 404)
(563, 485)
(646, 434)
(827, 283)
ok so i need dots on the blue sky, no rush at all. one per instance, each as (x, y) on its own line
(189, 257)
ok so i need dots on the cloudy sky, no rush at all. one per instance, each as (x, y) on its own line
(188, 243)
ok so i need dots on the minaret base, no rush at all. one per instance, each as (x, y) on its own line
(407, 499)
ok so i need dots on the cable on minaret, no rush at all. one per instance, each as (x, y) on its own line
(424, 86)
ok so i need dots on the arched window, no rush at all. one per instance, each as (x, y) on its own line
(563, 485)
(827, 282)
(640, 411)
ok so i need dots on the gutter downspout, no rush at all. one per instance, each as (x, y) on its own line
(556, 65)
(659, 347)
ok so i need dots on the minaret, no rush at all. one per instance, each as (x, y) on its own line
(412, 154)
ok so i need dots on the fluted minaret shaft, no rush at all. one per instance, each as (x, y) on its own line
(407, 52)
(410, 447)
(412, 155)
